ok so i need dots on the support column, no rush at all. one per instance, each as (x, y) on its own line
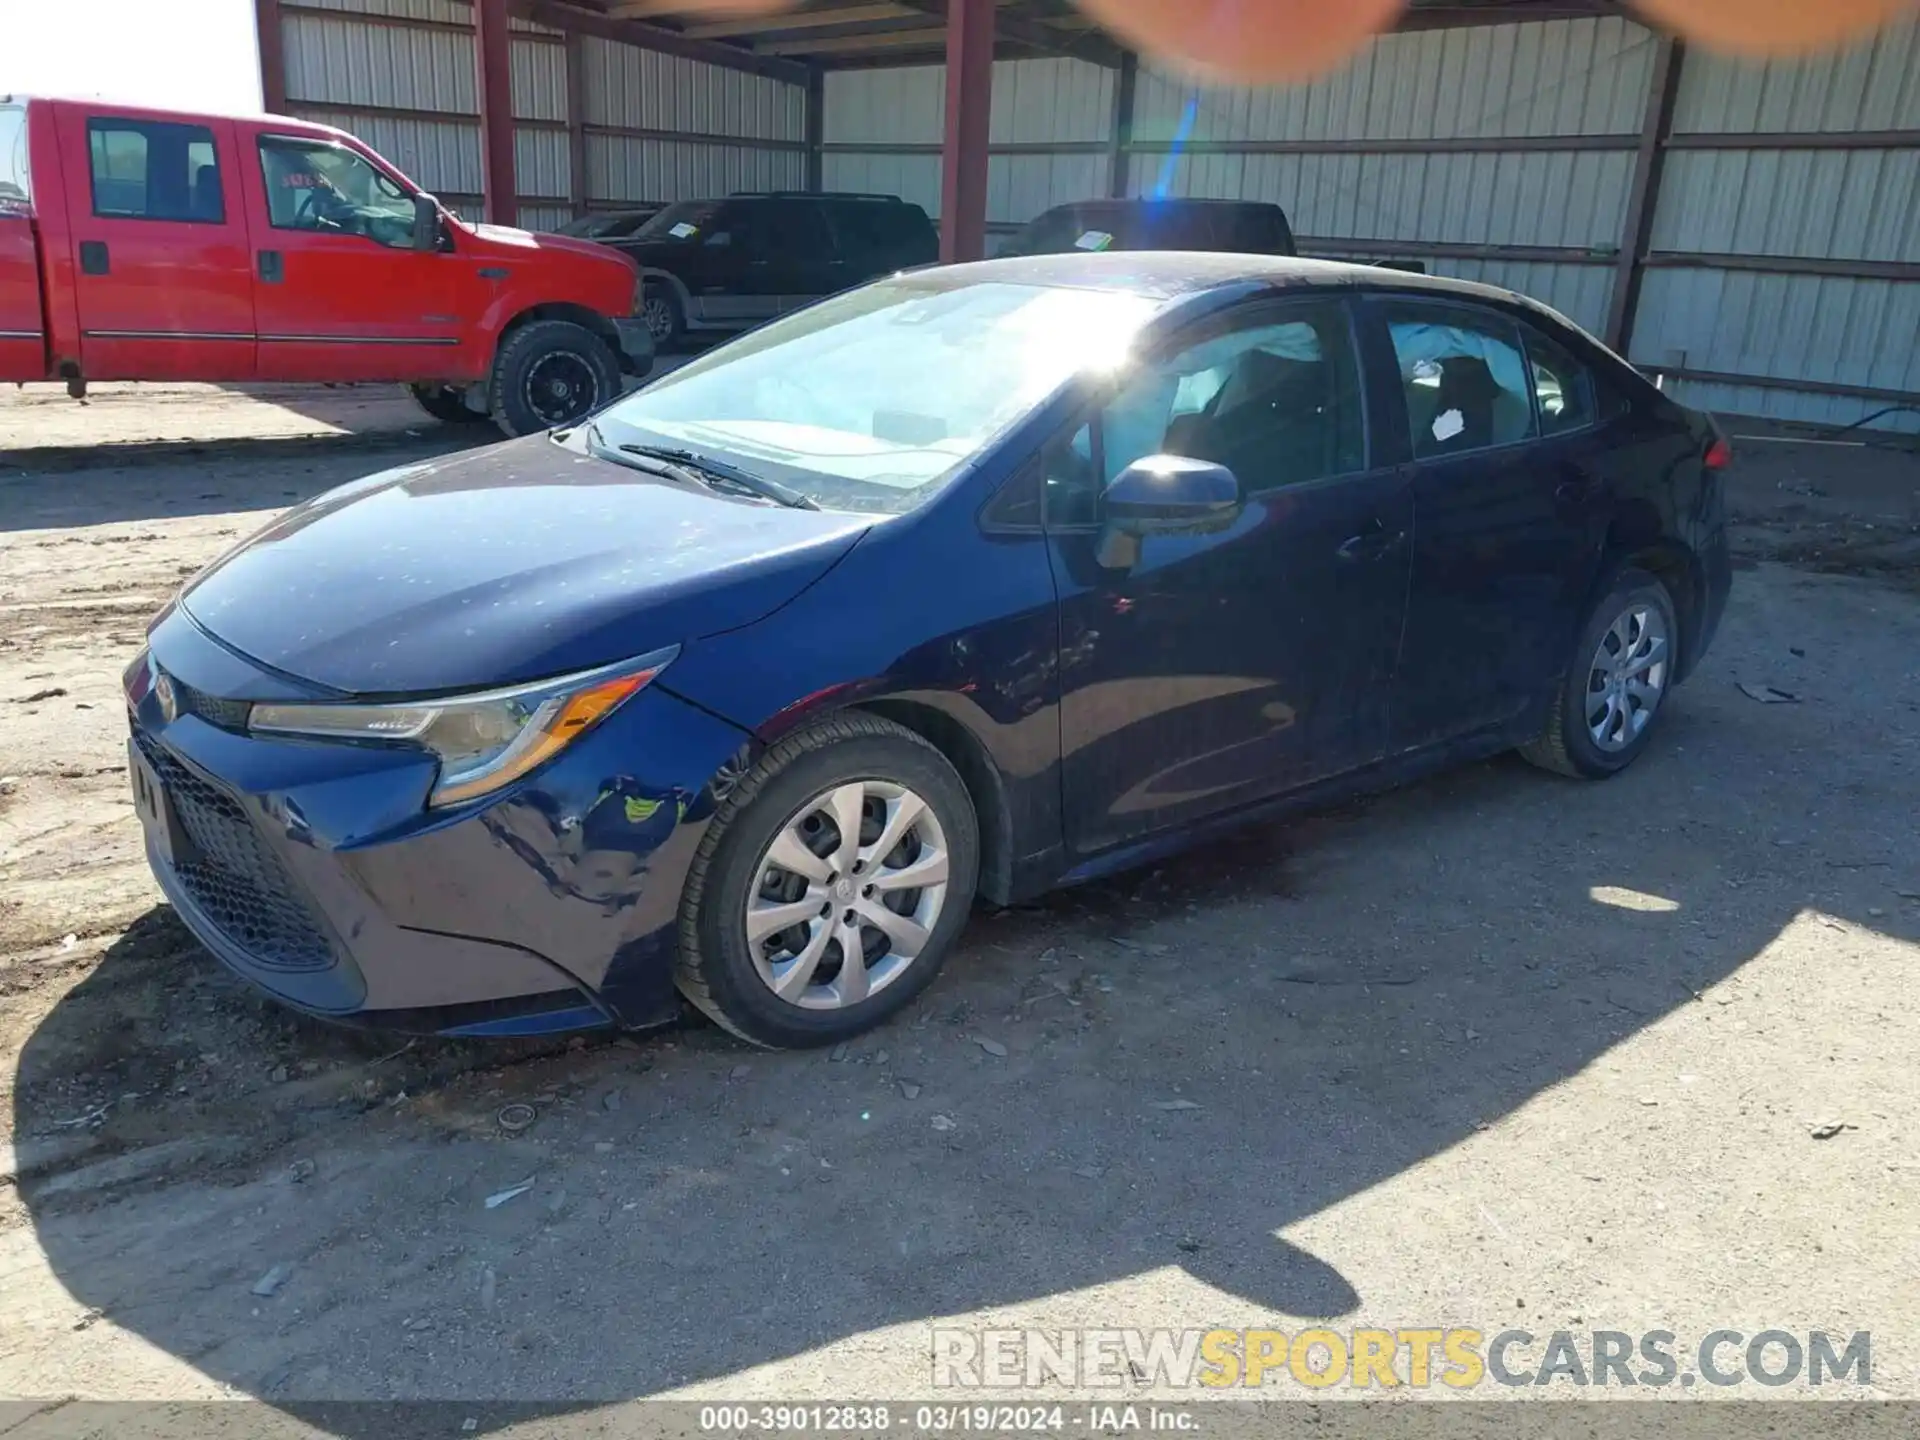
(963, 151)
(1120, 139)
(493, 66)
(816, 129)
(576, 123)
(1643, 199)
(273, 56)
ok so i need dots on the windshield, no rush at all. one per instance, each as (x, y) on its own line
(684, 220)
(872, 401)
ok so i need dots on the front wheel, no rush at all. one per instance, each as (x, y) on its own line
(551, 373)
(448, 403)
(660, 310)
(830, 886)
(1619, 675)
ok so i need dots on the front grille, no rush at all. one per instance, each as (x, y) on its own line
(227, 869)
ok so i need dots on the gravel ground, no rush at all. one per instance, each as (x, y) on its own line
(1498, 1051)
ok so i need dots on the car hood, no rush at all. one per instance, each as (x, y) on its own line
(509, 237)
(512, 563)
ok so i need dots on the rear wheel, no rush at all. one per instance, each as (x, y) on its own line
(1619, 675)
(830, 886)
(550, 373)
(448, 403)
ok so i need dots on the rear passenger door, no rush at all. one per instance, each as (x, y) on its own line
(807, 256)
(161, 268)
(1507, 535)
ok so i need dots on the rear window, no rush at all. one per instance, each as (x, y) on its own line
(896, 233)
(154, 170)
(16, 185)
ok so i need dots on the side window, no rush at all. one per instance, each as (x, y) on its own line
(799, 230)
(330, 190)
(1465, 380)
(1276, 401)
(154, 170)
(1561, 385)
(16, 182)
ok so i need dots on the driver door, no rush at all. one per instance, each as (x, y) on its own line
(1204, 672)
(339, 292)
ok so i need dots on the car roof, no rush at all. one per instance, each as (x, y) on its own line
(1174, 274)
(1169, 202)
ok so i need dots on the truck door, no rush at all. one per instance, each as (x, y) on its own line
(161, 275)
(339, 291)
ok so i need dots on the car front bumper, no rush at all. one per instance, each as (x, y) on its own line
(314, 870)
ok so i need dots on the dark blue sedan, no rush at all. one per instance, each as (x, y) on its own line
(969, 583)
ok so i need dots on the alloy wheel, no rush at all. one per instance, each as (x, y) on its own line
(1628, 677)
(847, 895)
(561, 387)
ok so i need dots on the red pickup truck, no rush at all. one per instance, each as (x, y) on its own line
(141, 244)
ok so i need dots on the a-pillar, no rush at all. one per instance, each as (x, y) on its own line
(963, 150)
(492, 58)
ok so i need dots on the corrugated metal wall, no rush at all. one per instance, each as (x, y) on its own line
(1760, 200)
(1507, 154)
(882, 132)
(1411, 101)
(400, 74)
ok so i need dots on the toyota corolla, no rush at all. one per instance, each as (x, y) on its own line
(970, 583)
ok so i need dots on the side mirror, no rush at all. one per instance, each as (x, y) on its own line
(1172, 495)
(426, 222)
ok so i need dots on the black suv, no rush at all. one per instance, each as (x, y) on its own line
(1250, 227)
(729, 264)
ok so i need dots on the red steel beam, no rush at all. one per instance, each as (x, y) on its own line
(273, 56)
(492, 58)
(963, 152)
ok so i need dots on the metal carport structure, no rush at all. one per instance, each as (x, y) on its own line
(1752, 230)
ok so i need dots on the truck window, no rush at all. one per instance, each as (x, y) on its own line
(16, 184)
(154, 170)
(330, 190)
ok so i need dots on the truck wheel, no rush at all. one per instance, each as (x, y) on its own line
(550, 373)
(660, 308)
(448, 403)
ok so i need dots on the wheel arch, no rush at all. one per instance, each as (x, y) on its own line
(582, 315)
(673, 282)
(985, 786)
(1674, 565)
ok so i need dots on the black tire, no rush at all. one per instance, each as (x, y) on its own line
(448, 403)
(551, 356)
(716, 970)
(666, 319)
(1565, 745)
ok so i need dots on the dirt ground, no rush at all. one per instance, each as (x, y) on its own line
(1498, 1051)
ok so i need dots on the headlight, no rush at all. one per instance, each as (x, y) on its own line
(482, 741)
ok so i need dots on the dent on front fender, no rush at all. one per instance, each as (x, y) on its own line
(584, 864)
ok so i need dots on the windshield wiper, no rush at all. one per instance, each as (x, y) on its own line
(684, 464)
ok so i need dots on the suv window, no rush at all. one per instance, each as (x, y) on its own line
(795, 229)
(329, 190)
(889, 234)
(1276, 399)
(16, 183)
(1260, 230)
(154, 170)
(1561, 385)
(1466, 384)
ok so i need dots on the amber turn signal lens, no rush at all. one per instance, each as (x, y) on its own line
(556, 725)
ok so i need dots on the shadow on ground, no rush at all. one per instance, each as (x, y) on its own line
(1197, 1057)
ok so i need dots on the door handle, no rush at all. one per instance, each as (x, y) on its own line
(272, 267)
(93, 257)
(1580, 488)
(1370, 544)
